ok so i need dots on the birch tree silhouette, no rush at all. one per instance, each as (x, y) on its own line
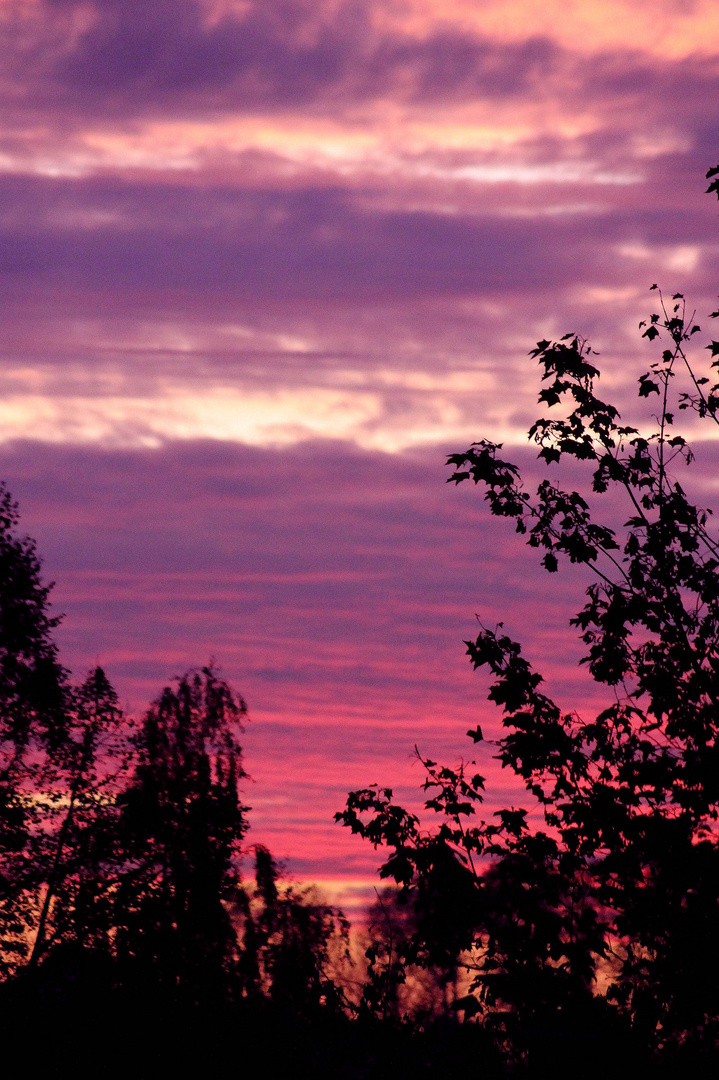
(33, 722)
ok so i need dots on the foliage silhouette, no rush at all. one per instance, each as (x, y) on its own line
(293, 946)
(33, 699)
(75, 855)
(178, 837)
(606, 918)
(136, 893)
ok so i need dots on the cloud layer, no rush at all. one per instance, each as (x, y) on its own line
(260, 265)
(334, 587)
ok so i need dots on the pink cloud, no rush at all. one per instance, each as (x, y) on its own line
(333, 587)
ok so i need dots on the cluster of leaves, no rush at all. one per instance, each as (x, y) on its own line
(609, 911)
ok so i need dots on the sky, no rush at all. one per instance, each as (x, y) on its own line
(262, 266)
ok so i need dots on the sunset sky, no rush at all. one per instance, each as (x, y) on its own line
(263, 264)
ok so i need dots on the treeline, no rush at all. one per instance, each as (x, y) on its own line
(121, 844)
(129, 938)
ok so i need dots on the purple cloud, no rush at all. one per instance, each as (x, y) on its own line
(308, 244)
(125, 58)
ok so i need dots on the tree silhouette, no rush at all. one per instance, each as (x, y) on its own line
(33, 721)
(610, 911)
(75, 858)
(179, 832)
(291, 944)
